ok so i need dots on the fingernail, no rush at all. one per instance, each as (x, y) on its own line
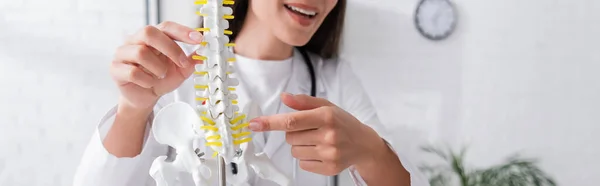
(196, 36)
(287, 94)
(255, 126)
(183, 60)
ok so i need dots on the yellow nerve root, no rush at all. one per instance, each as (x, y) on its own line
(237, 119)
(215, 154)
(231, 59)
(217, 144)
(230, 44)
(235, 102)
(237, 142)
(201, 99)
(203, 29)
(200, 2)
(196, 57)
(240, 126)
(208, 120)
(213, 137)
(228, 2)
(200, 14)
(200, 86)
(202, 73)
(241, 134)
(227, 32)
(228, 17)
(204, 43)
(213, 128)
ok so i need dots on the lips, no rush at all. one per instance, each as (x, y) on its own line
(303, 14)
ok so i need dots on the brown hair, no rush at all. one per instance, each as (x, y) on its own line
(325, 42)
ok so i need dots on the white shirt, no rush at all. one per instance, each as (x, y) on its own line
(267, 79)
(262, 81)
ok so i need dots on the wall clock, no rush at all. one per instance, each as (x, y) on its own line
(436, 19)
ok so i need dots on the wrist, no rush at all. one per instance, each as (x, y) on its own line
(375, 150)
(131, 112)
(380, 154)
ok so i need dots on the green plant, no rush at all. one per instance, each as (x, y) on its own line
(515, 171)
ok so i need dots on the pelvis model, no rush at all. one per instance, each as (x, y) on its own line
(214, 119)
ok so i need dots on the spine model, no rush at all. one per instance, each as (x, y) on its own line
(214, 119)
(217, 104)
(226, 130)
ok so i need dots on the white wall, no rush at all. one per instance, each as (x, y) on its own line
(534, 87)
(55, 85)
(517, 76)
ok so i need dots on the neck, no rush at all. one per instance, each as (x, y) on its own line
(258, 42)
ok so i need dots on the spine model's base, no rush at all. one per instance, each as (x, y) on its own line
(171, 126)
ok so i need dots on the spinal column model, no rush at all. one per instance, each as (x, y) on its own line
(215, 120)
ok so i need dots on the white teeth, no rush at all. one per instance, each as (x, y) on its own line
(300, 10)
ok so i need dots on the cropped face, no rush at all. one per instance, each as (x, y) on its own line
(292, 21)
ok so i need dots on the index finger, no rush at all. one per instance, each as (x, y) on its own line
(179, 32)
(295, 121)
(162, 38)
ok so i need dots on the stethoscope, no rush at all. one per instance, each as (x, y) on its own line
(311, 70)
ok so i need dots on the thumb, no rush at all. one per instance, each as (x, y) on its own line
(303, 101)
(189, 70)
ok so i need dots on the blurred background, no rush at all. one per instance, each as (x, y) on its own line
(515, 76)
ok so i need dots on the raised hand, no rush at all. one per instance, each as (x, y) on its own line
(150, 63)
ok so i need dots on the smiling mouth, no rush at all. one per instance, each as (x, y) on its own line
(301, 12)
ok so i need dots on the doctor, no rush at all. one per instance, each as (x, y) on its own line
(337, 129)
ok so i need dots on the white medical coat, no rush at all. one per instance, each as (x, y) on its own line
(335, 81)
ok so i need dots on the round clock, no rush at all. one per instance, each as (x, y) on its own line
(436, 19)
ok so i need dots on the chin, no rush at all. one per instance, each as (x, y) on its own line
(295, 38)
(296, 41)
